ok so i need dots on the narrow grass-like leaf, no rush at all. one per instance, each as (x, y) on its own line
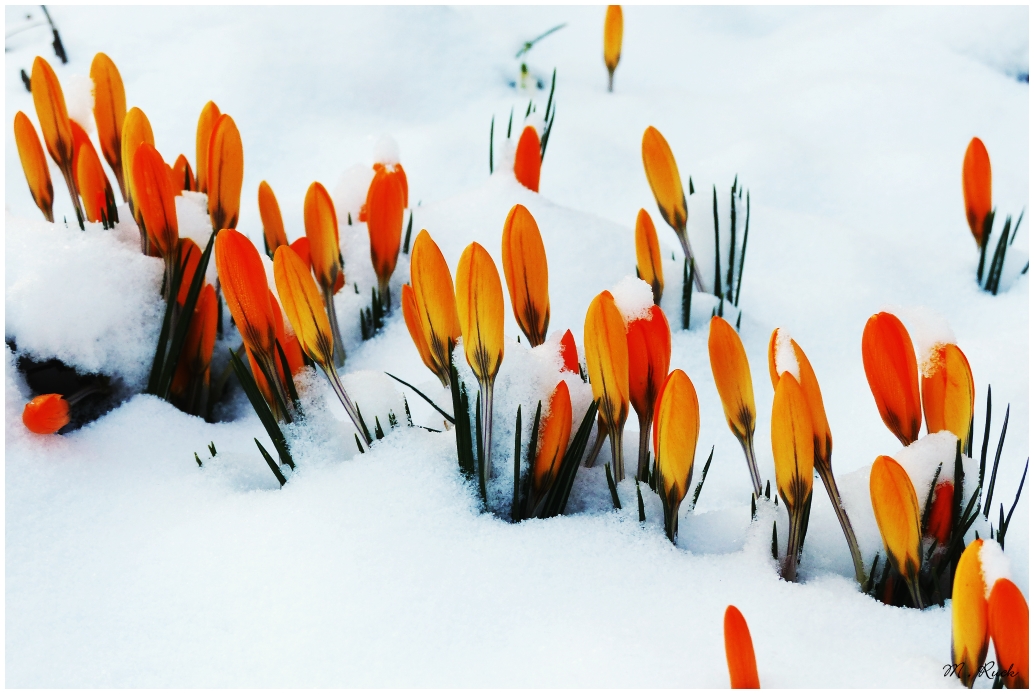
(732, 240)
(163, 339)
(743, 253)
(775, 542)
(409, 234)
(929, 498)
(211, 448)
(197, 459)
(430, 402)
(556, 498)
(461, 410)
(639, 498)
(994, 468)
(359, 445)
(703, 476)
(717, 248)
(262, 409)
(362, 425)
(291, 389)
(1008, 519)
(515, 512)
(272, 464)
(491, 144)
(179, 335)
(613, 489)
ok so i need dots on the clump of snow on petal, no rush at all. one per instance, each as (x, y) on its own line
(633, 297)
(785, 357)
(78, 90)
(386, 151)
(993, 564)
(349, 194)
(928, 330)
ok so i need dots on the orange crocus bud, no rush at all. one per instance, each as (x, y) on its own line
(34, 164)
(54, 123)
(606, 357)
(785, 354)
(613, 27)
(479, 305)
(155, 199)
(45, 414)
(411, 313)
(897, 514)
(527, 277)
(569, 353)
(303, 306)
(385, 201)
(136, 130)
(325, 253)
(183, 175)
(675, 431)
(552, 444)
(436, 302)
(400, 173)
(301, 247)
(225, 173)
(649, 356)
(969, 628)
(976, 189)
(1008, 621)
(109, 112)
(527, 162)
(890, 367)
(793, 450)
(189, 256)
(243, 281)
(648, 253)
(739, 651)
(272, 221)
(79, 140)
(732, 378)
(98, 197)
(205, 125)
(948, 392)
(192, 371)
(939, 520)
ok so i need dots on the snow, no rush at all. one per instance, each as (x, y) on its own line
(928, 330)
(633, 297)
(386, 151)
(785, 357)
(78, 90)
(993, 565)
(128, 565)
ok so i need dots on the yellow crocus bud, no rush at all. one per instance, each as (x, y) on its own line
(552, 444)
(34, 164)
(272, 221)
(793, 450)
(666, 184)
(109, 112)
(976, 189)
(136, 130)
(527, 277)
(648, 255)
(676, 429)
(325, 254)
(732, 378)
(156, 201)
(606, 357)
(613, 27)
(205, 124)
(969, 632)
(411, 314)
(53, 122)
(436, 303)
(1008, 621)
(897, 514)
(948, 393)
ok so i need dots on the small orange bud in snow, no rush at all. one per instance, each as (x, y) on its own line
(225, 173)
(897, 514)
(272, 221)
(527, 162)
(322, 231)
(976, 188)
(809, 385)
(569, 352)
(948, 392)
(189, 257)
(938, 524)
(183, 175)
(303, 306)
(34, 164)
(552, 443)
(205, 124)
(606, 357)
(665, 182)
(399, 173)
(649, 356)
(648, 255)
(969, 633)
(136, 130)
(436, 302)
(109, 112)
(98, 197)
(385, 202)
(890, 367)
(51, 113)
(479, 304)
(613, 28)
(1008, 620)
(735, 388)
(243, 281)
(45, 414)
(155, 199)
(739, 651)
(676, 429)
(527, 276)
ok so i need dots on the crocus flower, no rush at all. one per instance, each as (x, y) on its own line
(411, 314)
(649, 356)
(136, 130)
(436, 303)
(183, 175)
(527, 277)
(205, 125)
(897, 514)
(272, 221)
(109, 112)
(939, 520)
(675, 431)
(948, 392)
(606, 357)
(98, 196)
(613, 27)
(385, 202)
(34, 164)
(1008, 621)
(569, 352)
(45, 414)
(793, 450)
(479, 304)
(53, 121)
(225, 173)
(739, 651)
(155, 201)
(552, 445)
(732, 378)
(666, 184)
(322, 231)
(890, 367)
(976, 189)
(969, 628)
(527, 162)
(648, 254)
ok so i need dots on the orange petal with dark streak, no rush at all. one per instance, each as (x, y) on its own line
(272, 221)
(225, 173)
(109, 112)
(976, 188)
(385, 201)
(34, 164)
(205, 124)
(155, 199)
(527, 274)
(243, 281)
(890, 367)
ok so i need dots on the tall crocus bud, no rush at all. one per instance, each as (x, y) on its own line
(53, 120)
(569, 352)
(272, 221)
(479, 303)
(976, 189)
(34, 164)
(739, 651)
(613, 28)
(411, 314)
(552, 445)
(969, 633)
(385, 202)
(183, 175)
(436, 303)
(606, 357)
(666, 184)
(648, 254)
(793, 450)
(1008, 621)
(205, 124)
(304, 310)
(527, 162)
(939, 519)
(890, 367)
(948, 392)
(897, 514)
(732, 378)
(98, 197)
(136, 130)
(155, 200)
(649, 356)
(322, 231)
(400, 174)
(243, 281)
(45, 414)
(109, 112)
(225, 173)
(527, 277)
(675, 431)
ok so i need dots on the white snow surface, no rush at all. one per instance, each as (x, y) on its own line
(128, 565)
(785, 357)
(633, 297)
(993, 565)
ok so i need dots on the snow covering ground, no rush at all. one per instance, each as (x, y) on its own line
(127, 565)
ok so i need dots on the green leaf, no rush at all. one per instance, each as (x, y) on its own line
(515, 508)
(262, 409)
(429, 401)
(639, 498)
(556, 497)
(703, 476)
(613, 489)
(272, 464)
